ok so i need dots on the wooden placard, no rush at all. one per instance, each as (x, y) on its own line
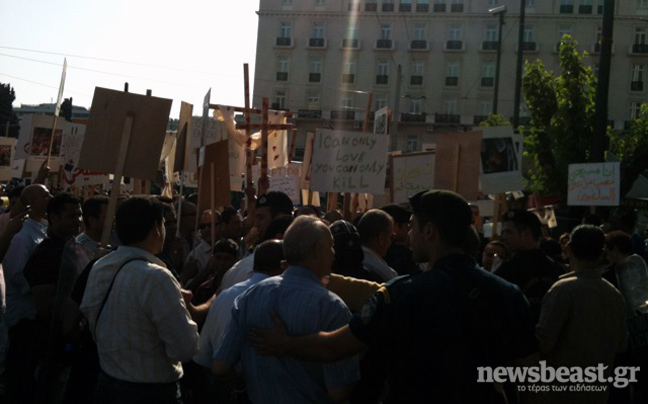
(215, 153)
(183, 145)
(106, 125)
(457, 163)
(411, 173)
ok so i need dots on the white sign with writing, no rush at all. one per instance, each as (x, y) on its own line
(349, 162)
(412, 173)
(594, 184)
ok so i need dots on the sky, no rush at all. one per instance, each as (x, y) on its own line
(178, 49)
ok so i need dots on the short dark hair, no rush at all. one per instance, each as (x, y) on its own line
(136, 217)
(277, 226)
(15, 192)
(399, 213)
(447, 211)
(268, 256)
(587, 242)
(92, 207)
(277, 201)
(373, 223)
(524, 220)
(620, 241)
(56, 205)
(227, 246)
(228, 214)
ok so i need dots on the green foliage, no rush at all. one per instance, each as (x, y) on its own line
(631, 147)
(562, 113)
(495, 120)
(7, 97)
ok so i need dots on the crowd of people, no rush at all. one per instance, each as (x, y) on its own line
(285, 304)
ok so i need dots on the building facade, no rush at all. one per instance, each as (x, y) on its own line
(320, 59)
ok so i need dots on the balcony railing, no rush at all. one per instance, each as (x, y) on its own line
(422, 8)
(447, 118)
(454, 45)
(281, 41)
(418, 44)
(416, 80)
(636, 86)
(439, 8)
(382, 79)
(477, 119)
(490, 45)
(345, 115)
(310, 113)
(282, 76)
(384, 44)
(405, 8)
(388, 7)
(487, 81)
(566, 9)
(640, 48)
(316, 42)
(412, 117)
(452, 81)
(529, 46)
(457, 8)
(350, 43)
(314, 77)
(348, 78)
(371, 6)
(585, 9)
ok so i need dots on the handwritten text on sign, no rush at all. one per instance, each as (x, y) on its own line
(349, 162)
(595, 184)
(412, 173)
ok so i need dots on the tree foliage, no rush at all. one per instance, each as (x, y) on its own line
(495, 120)
(632, 148)
(7, 97)
(562, 112)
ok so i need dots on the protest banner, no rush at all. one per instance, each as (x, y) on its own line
(109, 110)
(34, 142)
(285, 179)
(73, 176)
(349, 162)
(411, 173)
(457, 163)
(7, 153)
(501, 160)
(594, 184)
(216, 154)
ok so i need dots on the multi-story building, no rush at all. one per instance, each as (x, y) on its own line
(321, 58)
(49, 109)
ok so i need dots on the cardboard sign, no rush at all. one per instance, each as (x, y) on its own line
(183, 145)
(594, 184)
(457, 163)
(73, 176)
(349, 162)
(34, 142)
(106, 126)
(215, 153)
(501, 160)
(308, 161)
(411, 173)
(7, 153)
(285, 179)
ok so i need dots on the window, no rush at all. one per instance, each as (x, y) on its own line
(491, 32)
(286, 2)
(286, 29)
(562, 31)
(347, 100)
(405, 6)
(640, 36)
(529, 34)
(283, 65)
(637, 77)
(420, 32)
(635, 110)
(352, 32)
(412, 143)
(385, 31)
(315, 74)
(450, 107)
(280, 99)
(349, 71)
(454, 32)
(382, 76)
(488, 74)
(530, 3)
(319, 2)
(418, 72)
(318, 30)
(452, 74)
(485, 108)
(415, 105)
(380, 101)
(642, 3)
(313, 100)
(492, 2)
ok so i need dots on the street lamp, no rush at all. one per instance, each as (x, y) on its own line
(498, 11)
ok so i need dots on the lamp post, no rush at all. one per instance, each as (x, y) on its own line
(498, 11)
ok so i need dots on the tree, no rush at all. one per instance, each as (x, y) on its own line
(562, 113)
(7, 97)
(632, 148)
(494, 120)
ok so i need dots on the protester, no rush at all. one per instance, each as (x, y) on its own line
(376, 235)
(434, 328)
(399, 255)
(94, 216)
(301, 300)
(582, 321)
(205, 285)
(137, 314)
(493, 255)
(198, 258)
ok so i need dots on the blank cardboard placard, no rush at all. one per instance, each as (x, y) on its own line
(457, 163)
(183, 145)
(106, 126)
(216, 153)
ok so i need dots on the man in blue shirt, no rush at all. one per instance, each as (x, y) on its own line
(299, 298)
